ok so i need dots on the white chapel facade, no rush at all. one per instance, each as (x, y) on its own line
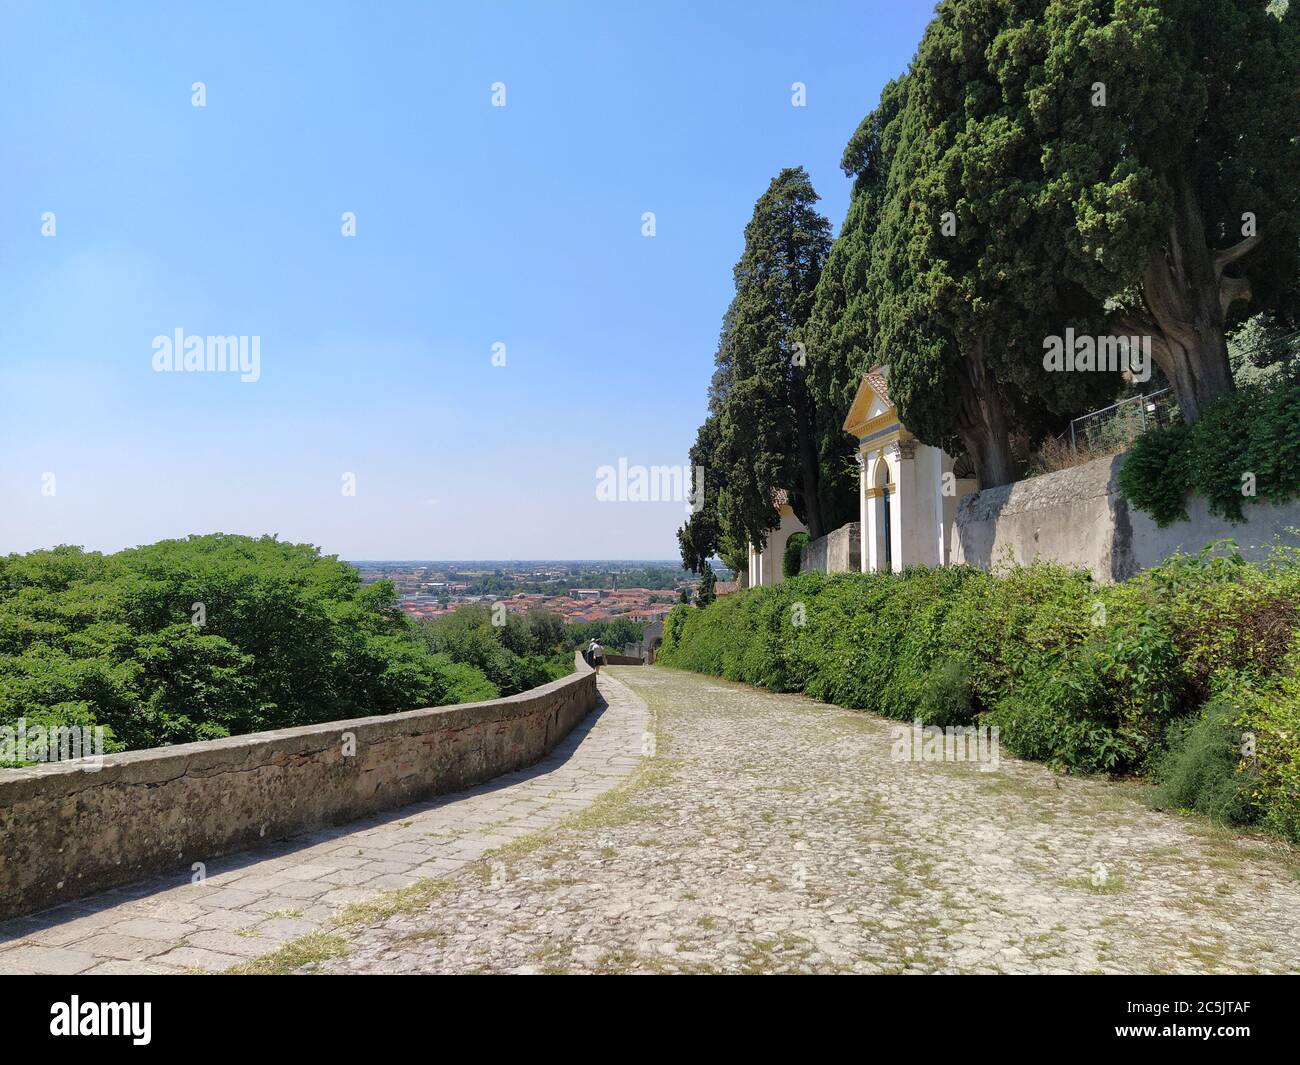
(907, 491)
(765, 562)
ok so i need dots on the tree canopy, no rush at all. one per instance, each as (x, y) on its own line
(1053, 165)
(208, 636)
(762, 435)
(1166, 131)
(522, 653)
(1044, 169)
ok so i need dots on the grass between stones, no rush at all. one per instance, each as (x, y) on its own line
(614, 807)
(306, 950)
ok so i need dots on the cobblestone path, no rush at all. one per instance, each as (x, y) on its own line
(700, 826)
(773, 833)
(252, 903)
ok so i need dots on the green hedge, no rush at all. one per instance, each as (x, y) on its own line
(1083, 676)
(792, 560)
(1244, 446)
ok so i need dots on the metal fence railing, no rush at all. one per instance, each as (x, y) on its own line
(1113, 428)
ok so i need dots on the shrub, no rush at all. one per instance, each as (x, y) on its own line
(1154, 477)
(1057, 717)
(946, 697)
(462, 683)
(513, 657)
(1253, 431)
(1203, 769)
(673, 625)
(1088, 678)
(792, 561)
(1272, 720)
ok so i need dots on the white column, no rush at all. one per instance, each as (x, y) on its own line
(902, 525)
(930, 464)
(872, 546)
(864, 526)
(942, 465)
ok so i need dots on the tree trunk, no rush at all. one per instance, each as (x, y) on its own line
(1186, 298)
(982, 425)
(809, 468)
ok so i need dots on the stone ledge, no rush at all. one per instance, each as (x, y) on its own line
(67, 829)
(1090, 480)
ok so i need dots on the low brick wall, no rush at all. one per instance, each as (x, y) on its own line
(68, 831)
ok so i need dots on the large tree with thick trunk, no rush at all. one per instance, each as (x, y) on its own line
(1168, 135)
(958, 281)
(1111, 166)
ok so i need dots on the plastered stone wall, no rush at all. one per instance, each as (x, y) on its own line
(836, 552)
(1077, 517)
(67, 830)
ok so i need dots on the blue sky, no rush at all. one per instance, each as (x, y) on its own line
(475, 225)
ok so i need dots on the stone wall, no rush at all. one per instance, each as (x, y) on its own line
(67, 830)
(643, 651)
(1078, 518)
(836, 552)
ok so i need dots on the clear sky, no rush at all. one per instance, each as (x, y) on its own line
(475, 225)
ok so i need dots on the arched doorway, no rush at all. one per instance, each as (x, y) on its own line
(882, 482)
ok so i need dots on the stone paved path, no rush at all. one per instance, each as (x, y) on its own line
(252, 903)
(772, 833)
(760, 833)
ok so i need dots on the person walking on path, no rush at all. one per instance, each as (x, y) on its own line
(596, 655)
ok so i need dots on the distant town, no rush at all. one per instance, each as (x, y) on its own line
(576, 590)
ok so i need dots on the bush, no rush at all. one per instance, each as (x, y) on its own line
(207, 636)
(513, 657)
(1155, 477)
(1203, 769)
(1058, 717)
(1251, 433)
(1088, 678)
(463, 683)
(792, 560)
(1272, 720)
(946, 697)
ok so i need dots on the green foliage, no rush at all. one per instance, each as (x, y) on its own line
(1262, 349)
(1145, 195)
(763, 433)
(1245, 442)
(792, 560)
(1203, 769)
(1272, 718)
(523, 653)
(945, 696)
(673, 625)
(1087, 677)
(1155, 476)
(464, 683)
(978, 298)
(612, 633)
(997, 201)
(708, 587)
(287, 637)
(1101, 707)
(841, 330)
